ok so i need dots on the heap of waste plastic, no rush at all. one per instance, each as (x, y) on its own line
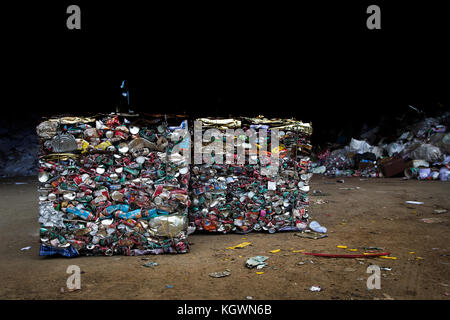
(421, 151)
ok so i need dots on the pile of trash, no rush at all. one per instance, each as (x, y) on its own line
(421, 151)
(112, 184)
(258, 193)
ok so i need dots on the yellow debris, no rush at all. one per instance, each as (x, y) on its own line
(412, 252)
(342, 247)
(296, 251)
(244, 238)
(353, 249)
(260, 272)
(386, 257)
(275, 251)
(419, 258)
(240, 245)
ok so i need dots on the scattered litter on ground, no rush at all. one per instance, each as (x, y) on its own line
(319, 201)
(414, 202)
(220, 274)
(249, 298)
(431, 220)
(275, 251)
(25, 248)
(372, 248)
(169, 286)
(388, 297)
(310, 235)
(315, 226)
(315, 289)
(240, 245)
(386, 257)
(440, 211)
(62, 290)
(151, 264)
(364, 255)
(260, 272)
(257, 261)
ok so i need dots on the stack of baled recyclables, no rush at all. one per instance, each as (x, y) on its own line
(112, 184)
(264, 195)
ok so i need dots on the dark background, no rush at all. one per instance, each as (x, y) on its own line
(315, 61)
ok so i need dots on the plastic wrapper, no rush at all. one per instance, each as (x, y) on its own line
(427, 152)
(442, 141)
(108, 185)
(394, 148)
(359, 146)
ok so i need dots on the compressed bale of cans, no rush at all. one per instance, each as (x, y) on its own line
(109, 185)
(261, 196)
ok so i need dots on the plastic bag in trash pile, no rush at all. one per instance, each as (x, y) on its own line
(107, 186)
(427, 152)
(232, 197)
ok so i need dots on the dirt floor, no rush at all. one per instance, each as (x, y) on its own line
(358, 213)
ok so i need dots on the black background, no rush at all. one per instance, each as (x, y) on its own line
(315, 61)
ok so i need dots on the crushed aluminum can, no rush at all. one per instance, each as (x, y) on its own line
(219, 274)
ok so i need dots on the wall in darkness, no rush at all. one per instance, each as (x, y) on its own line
(317, 63)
